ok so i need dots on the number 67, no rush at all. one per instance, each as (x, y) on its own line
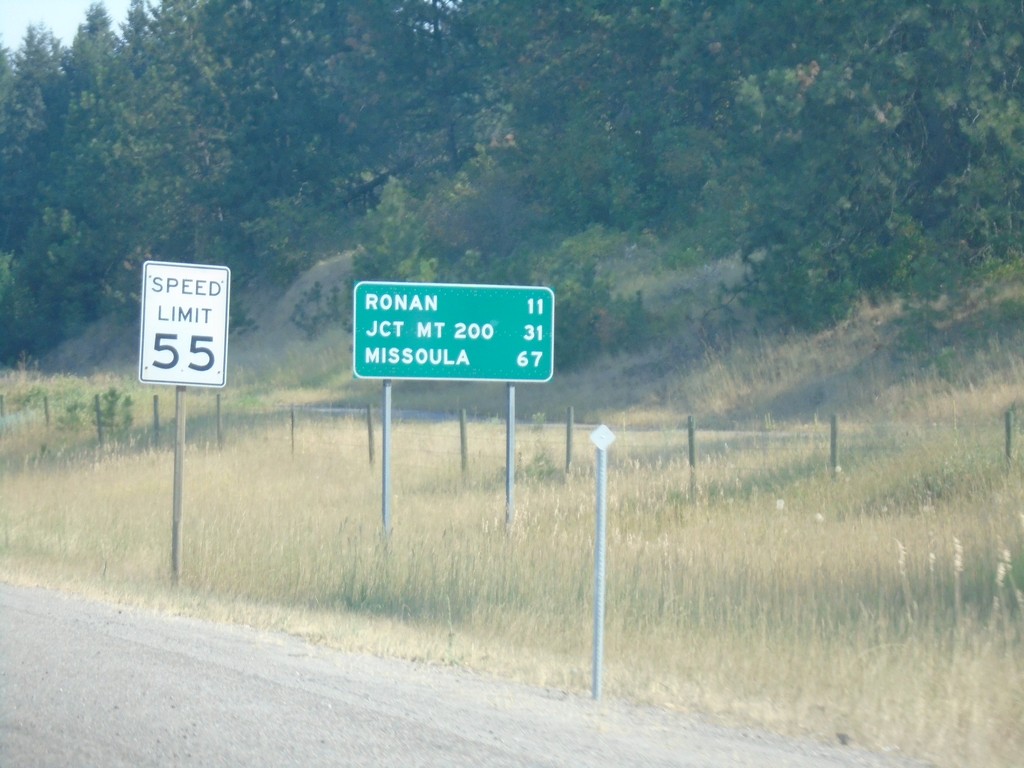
(523, 360)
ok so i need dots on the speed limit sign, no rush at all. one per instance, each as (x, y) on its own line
(184, 338)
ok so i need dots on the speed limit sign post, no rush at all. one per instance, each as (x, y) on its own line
(184, 342)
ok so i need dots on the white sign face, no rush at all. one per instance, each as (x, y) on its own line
(602, 437)
(184, 338)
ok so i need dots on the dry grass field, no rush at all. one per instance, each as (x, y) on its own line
(882, 602)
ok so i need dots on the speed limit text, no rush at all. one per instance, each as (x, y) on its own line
(183, 313)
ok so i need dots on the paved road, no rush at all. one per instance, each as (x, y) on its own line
(86, 684)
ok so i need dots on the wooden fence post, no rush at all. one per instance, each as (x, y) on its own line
(833, 442)
(99, 419)
(1009, 436)
(691, 444)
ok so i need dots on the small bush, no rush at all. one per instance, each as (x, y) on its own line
(115, 412)
(316, 310)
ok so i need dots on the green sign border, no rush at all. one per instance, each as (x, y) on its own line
(493, 321)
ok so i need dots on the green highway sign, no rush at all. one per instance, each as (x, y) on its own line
(448, 331)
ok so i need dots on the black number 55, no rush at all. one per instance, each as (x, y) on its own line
(162, 343)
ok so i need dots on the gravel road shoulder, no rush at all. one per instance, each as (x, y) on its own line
(88, 684)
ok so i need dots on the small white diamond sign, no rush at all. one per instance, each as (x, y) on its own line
(184, 332)
(602, 437)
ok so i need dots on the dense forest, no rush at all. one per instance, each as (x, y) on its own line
(845, 150)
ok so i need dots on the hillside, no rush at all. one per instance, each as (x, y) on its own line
(846, 152)
(877, 604)
(706, 358)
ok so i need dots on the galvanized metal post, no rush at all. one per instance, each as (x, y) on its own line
(510, 457)
(385, 449)
(602, 437)
(463, 440)
(570, 425)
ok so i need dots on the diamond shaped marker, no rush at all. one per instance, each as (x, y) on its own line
(602, 437)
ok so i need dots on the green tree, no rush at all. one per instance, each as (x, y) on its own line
(74, 261)
(183, 134)
(396, 244)
(31, 135)
(32, 124)
(585, 104)
(303, 116)
(89, 217)
(845, 149)
(884, 161)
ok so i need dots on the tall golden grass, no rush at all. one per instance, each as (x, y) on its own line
(884, 603)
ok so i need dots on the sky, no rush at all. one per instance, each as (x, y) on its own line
(61, 17)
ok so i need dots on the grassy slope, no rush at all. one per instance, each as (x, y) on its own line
(870, 605)
(719, 365)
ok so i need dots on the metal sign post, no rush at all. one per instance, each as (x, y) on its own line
(441, 331)
(602, 437)
(385, 450)
(510, 457)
